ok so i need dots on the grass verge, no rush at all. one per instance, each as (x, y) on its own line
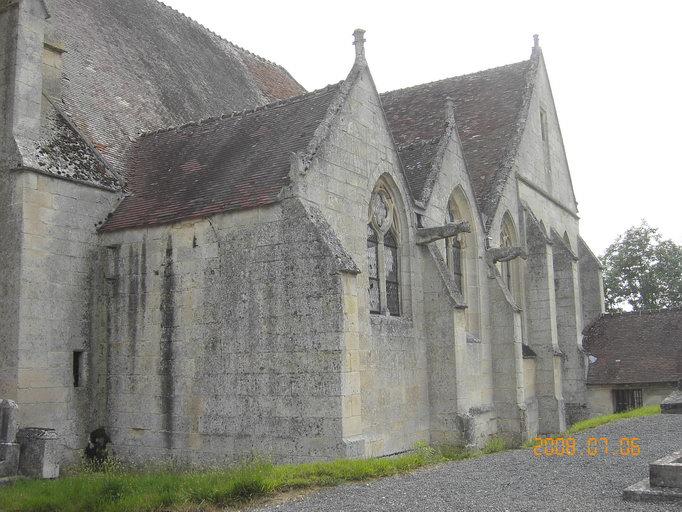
(597, 421)
(120, 489)
(608, 418)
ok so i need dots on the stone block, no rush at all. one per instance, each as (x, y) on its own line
(9, 459)
(8, 421)
(667, 471)
(672, 404)
(39, 452)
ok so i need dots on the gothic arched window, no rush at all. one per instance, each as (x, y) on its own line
(392, 280)
(382, 255)
(373, 270)
(454, 251)
(508, 269)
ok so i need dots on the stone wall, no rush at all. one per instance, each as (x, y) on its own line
(393, 357)
(531, 402)
(59, 240)
(226, 337)
(591, 284)
(22, 27)
(468, 332)
(11, 198)
(569, 322)
(600, 397)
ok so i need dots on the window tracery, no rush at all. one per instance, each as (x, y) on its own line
(383, 255)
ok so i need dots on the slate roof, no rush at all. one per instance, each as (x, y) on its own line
(138, 65)
(634, 348)
(227, 163)
(489, 110)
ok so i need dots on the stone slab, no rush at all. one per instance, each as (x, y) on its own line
(667, 471)
(643, 491)
(672, 404)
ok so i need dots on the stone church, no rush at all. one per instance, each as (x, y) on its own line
(210, 262)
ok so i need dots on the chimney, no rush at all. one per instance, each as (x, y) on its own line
(22, 30)
(359, 42)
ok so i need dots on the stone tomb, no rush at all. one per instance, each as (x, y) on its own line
(664, 482)
(672, 404)
(29, 451)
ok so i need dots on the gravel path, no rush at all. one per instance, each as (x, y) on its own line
(516, 480)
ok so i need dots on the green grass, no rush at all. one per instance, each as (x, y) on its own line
(597, 421)
(495, 444)
(603, 420)
(120, 489)
(123, 489)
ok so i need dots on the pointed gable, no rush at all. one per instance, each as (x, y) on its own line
(138, 65)
(489, 108)
(220, 164)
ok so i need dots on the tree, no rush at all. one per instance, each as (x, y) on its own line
(643, 271)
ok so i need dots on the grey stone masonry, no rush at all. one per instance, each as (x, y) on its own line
(672, 404)
(9, 450)
(428, 235)
(507, 362)
(326, 313)
(569, 335)
(22, 28)
(664, 482)
(542, 328)
(591, 284)
(39, 452)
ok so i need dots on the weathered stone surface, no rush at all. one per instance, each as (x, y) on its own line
(664, 482)
(39, 456)
(667, 471)
(8, 421)
(428, 235)
(213, 338)
(672, 404)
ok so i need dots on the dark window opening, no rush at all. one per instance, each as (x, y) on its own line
(543, 124)
(627, 399)
(392, 279)
(373, 267)
(77, 367)
(456, 252)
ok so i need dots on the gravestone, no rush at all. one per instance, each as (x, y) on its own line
(672, 404)
(664, 482)
(9, 450)
(38, 457)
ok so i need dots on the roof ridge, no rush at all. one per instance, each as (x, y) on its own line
(239, 113)
(491, 199)
(204, 27)
(440, 80)
(643, 312)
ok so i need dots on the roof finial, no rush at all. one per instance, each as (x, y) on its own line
(359, 42)
(536, 41)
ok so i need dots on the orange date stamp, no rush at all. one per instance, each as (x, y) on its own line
(594, 447)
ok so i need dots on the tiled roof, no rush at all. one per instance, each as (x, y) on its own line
(138, 65)
(220, 164)
(489, 113)
(632, 348)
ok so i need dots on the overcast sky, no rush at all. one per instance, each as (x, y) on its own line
(614, 69)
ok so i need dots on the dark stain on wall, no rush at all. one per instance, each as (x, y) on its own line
(166, 363)
(143, 277)
(133, 305)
